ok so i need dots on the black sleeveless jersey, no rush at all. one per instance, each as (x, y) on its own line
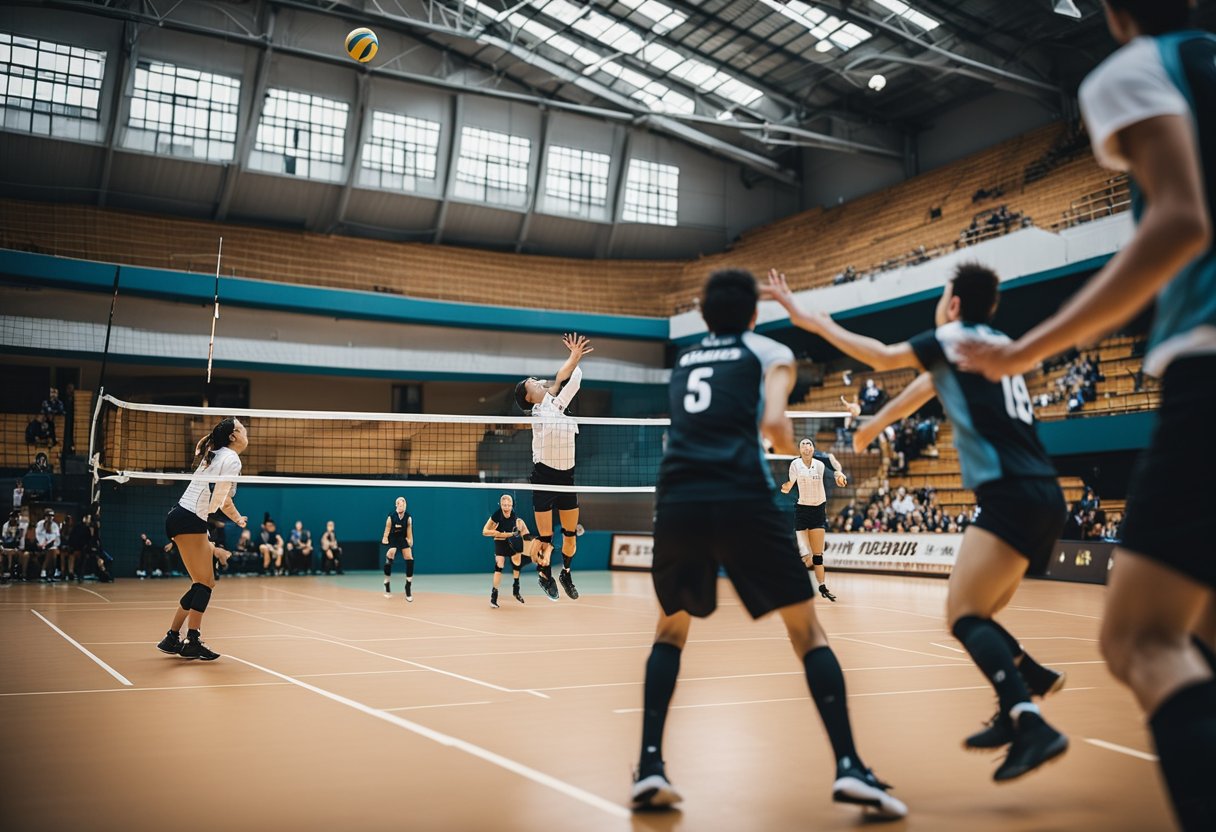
(504, 524)
(716, 399)
(399, 527)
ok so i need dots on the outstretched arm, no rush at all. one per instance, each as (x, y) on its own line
(878, 355)
(774, 425)
(841, 479)
(911, 399)
(578, 346)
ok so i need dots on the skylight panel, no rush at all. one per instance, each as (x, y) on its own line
(913, 16)
(828, 29)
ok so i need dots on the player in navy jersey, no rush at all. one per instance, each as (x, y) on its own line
(510, 533)
(725, 392)
(1022, 507)
(1150, 109)
(399, 534)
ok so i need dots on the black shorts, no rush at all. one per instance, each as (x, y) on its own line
(1027, 513)
(507, 548)
(751, 539)
(810, 517)
(398, 542)
(181, 520)
(543, 501)
(1173, 479)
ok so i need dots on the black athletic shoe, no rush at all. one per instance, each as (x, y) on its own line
(518, 595)
(193, 648)
(567, 581)
(409, 592)
(652, 790)
(549, 585)
(171, 643)
(1044, 681)
(997, 732)
(494, 598)
(859, 786)
(823, 590)
(1034, 743)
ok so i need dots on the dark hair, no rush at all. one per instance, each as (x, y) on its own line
(976, 288)
(1156, 17)
(220, 437)
(521, 396)
(728, 301)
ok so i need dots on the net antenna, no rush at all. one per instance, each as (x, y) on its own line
(215, 314)
(101, 386)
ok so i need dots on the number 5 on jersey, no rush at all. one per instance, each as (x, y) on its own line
(699, 392)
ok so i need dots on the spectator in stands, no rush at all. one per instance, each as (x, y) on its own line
(153, 559)
(67, 554)
(903, 505)
(331, 552)
(41, 465)
(871, 398)
(299, 550)
(40, 432)
(14, 559)
(270, 546)
(52, 405)
(847, 276)
(47, 541)
(18, 494)
(244, 557)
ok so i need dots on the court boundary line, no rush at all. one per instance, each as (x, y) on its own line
(91, 592)
(1122, 749)
(140, 690)
(892, 647)
(84, 650)
(441, 705)
(505, 763)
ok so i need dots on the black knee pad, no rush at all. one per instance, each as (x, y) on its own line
(545, 538)
(966, 625)
(568, 533)
(497, 568)
(529, 536)
(202, 597)
(188, 598)
(388, 567)
(817, 560)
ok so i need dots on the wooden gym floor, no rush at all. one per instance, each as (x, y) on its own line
(335, 707)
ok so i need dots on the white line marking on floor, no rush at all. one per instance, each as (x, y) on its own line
(1057, 612)
(84, 650)
(142, 690)
(1055, 638)
(91, 592)
(593, 800)
(1122, 749)
(900, 649)
(361, 673)
(805, 698)
(947, 647)
(445, 705)
(382, 612)
(887, 609)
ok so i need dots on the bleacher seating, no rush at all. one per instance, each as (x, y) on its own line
(889, 226)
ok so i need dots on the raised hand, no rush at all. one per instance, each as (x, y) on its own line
(778, 289)
(852, 406)
(577, 344)
(993, 361)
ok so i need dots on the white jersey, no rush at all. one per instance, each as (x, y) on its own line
(553, 431)
(198, 495)
(810, 482)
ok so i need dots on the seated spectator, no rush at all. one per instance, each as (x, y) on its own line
(903, 504)
(270, 546)
(153, 560)
(299, 550)
(40, 465)
(40, 432)
(47, 545)
(14, 558)
(18, 494)
(871, 398)
(331, 552)
(52, 406)
(79, 539)
(244, 557)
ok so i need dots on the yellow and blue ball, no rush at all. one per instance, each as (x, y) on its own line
(362, 44)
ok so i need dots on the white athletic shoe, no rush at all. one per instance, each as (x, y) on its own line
(862, 788)
(654, 792)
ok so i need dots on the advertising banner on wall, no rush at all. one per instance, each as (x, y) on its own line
(917, 554)
(631, 551)
(1088, 561)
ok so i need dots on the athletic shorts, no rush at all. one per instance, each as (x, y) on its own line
(1173, 481)
(182, 520)
(810, 517)
(398, 542)
(1028, 513)
(543, 501)
(505, 549)
(750, 539)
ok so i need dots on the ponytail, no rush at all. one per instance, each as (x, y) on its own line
(220, 437)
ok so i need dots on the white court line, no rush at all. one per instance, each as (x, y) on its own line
(900, 649)
(1122, 749)
(381, 612)
(84, 650)
(445, 705)
(1056, 638)
(947, 647)
(142, 690)
(804, 699)
(1057, 612)
(888, 609)
(91, 592)
(592, 800)
(323, 637)
(759, 675)
(360, 673)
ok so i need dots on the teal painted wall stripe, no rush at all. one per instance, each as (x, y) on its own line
(62, 272)
(1096, 434)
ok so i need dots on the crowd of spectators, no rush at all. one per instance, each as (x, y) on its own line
(267, 553)
(993, 223)
(913, 512)
(50, 550)
(1078, 385)
(1087, 520)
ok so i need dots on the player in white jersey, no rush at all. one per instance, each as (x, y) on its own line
(553, 435)
(186, 525)
(810, 515)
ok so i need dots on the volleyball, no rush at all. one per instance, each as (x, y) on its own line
(362, 44)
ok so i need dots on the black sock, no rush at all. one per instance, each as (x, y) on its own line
(191, 635)
(1205, 650)
(826, 681)
(567, 560)
(515, 582)
(409, 569)
(1184, 729)
(662, 668)
(388, 568)
(990, 652)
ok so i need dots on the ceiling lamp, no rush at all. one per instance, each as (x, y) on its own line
(1067, 8)
(877, 82)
